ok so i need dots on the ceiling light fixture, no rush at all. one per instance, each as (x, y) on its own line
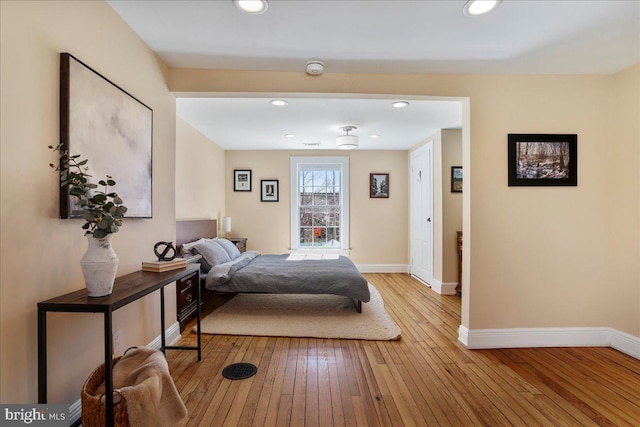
(289, 135)
(347, 142)
(279, 102)
(315, 67)
(374, 136)
(252, 7)
(480, 7)
(400, 104)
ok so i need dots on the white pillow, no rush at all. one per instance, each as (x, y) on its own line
(229, 246)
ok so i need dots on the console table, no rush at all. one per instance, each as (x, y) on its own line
(126, 289)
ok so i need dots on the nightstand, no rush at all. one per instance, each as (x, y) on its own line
(240, 242)
(187, 298)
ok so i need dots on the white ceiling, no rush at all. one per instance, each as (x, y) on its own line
(379, 36)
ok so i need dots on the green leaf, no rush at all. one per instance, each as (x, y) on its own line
(102, 182)
(86, 226)
(111, 182)
(117, 200)
(103, 225)
(99, 234)
(114, 228)
(84, 162)
(98, 199)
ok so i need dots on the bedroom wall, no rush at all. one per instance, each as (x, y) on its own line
(538, 257)
(40, 253)
(200, 175)
(378, 226)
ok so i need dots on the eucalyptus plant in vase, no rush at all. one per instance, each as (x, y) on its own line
(102, 210)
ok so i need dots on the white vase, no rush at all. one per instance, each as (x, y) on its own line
(99, 266)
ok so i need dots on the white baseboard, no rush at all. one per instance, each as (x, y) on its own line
(443, 288)
(550, 337)
(172, 335)
(383, 268)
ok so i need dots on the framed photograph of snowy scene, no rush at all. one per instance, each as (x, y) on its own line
(379, 185)
(543, 160)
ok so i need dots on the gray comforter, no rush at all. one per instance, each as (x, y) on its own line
(253, 273)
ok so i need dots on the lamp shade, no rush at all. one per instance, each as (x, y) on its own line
(347, 142)
(226, 224)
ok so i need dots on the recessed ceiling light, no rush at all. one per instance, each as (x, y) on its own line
(279, 102)
(289, 135)
(253, 7)
(374, 136)
(400, 104)
(480, 7)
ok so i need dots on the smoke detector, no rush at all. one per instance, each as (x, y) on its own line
(315, 67)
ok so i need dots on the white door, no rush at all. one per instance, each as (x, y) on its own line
(421, 228)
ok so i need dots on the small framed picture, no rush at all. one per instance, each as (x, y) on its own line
(269, 190)
(543, 160)
(379, 185)
(456, 179)
(242, 180)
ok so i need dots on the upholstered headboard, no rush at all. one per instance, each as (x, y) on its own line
(188, 231)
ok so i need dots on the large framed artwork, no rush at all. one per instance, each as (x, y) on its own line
(543, 159)
(110, 128)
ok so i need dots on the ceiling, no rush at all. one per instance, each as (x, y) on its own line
(379, 36)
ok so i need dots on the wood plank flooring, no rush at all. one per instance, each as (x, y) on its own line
(424, 379)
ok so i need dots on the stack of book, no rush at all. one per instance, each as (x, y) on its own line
(160, 266)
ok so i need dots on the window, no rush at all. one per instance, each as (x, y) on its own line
(320, 204)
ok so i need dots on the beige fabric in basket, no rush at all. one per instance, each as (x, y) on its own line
(142, 377)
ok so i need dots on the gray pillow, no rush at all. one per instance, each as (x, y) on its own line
(230, 247)
(212, 254)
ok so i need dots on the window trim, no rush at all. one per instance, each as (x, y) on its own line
(343, 161)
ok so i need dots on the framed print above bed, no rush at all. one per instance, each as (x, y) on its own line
(242, 180)
(110, 128)
(543, 159)
(269, 190)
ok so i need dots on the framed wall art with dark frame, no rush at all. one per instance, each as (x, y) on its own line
(543, 159)
(269, 190)
(379, 185)
(456, 179)
(110, 128)
(242, 180)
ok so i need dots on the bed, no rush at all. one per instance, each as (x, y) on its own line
(226, 270)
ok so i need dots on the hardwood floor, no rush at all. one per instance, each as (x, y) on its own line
(424, 379)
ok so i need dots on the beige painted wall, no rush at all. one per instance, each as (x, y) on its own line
(538, 257)
(379, 227)
(200, 175)
(451, 204)
(40, 253)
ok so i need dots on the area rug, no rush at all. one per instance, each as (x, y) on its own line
(312, 316)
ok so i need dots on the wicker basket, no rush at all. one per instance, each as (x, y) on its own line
(93, 407)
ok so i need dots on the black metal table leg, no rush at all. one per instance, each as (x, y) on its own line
(162, 337)
(42, 356)
(108, 368)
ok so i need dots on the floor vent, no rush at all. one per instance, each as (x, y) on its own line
(239, 371)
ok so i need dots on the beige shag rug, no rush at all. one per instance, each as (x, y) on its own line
(314, 316)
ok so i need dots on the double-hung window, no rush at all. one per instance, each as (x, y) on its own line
(320, 204)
